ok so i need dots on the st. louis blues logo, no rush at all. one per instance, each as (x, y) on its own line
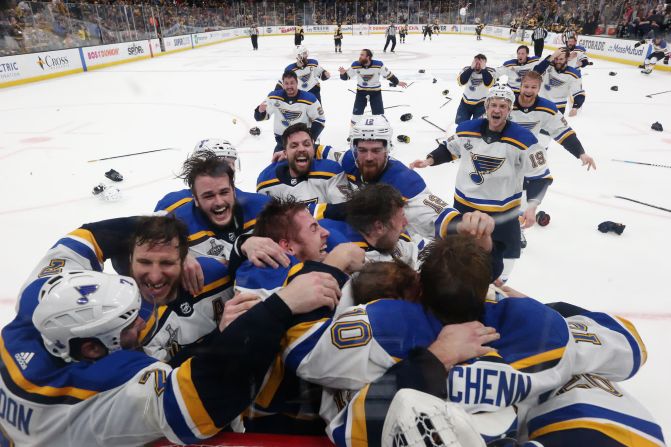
(306, 77)
(290, 115)
(521, 74)
(474, 84)
(527, 125)
(556, 82)
(85, 291)
(367, 77)
(484, 164)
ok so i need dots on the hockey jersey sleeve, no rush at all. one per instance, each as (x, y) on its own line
(536, 172)
(563, 134)
(577, 93)
(317, 118)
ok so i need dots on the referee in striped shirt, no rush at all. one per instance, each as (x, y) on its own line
(539, 35)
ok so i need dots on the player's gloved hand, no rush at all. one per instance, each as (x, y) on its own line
(666, 60)
(638, 44)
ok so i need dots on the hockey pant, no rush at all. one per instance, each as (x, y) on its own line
(361, 101)
(538, 47)
(467, 112)
(506, 231)
(391, 39)
(255, 42)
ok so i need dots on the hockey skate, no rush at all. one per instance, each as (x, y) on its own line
(647, 71)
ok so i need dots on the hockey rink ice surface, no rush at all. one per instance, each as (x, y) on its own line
(50, 130)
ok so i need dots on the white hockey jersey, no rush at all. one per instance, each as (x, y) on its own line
(543, 115)
(578, 57)
(309, 74)
(368, 77)
(587, 408)
(516, 71)
(422, 207)
(476, 84)
(559, 85)
(304, 108)
(491, 174)
(325, 183)
(169, 327)
(356, 348)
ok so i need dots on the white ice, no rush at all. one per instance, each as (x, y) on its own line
(50, 130)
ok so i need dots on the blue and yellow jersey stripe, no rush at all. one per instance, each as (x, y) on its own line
(564, 135)
(490, 206)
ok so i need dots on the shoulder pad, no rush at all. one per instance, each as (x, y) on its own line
(407, 181)
(376, 63)
(547, 104)
(509, 63)
(251, 203)
(518, 136)
(329, 166)
(574, 72)
(215, 273)
(471, 126)
(526, 344)
(277, 94)
(398, 325)
(313, 62)
(306, 96)
(356, 64)
(268, 173)
(291, 67)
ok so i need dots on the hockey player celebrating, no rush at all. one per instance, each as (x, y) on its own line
(309, 73)
(577, 54)
(290, 106)
(659, 50)
(515, 69)
(496, 157)
(539, 114)
(301, 176)
(368, 73)
(402, 32)
(477, 79)
(86, 381)
(369, 161)
(560, 81)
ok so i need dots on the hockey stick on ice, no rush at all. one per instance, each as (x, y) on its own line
(433, 124)
(641, 163)
(446, 102)
(398, 105)
(653, 94)
(133, 154)
(643, 203)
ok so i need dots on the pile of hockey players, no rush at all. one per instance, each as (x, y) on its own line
(342, 297)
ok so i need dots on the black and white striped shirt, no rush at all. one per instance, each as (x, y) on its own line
(539, 33)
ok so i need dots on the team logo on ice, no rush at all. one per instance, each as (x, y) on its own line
(484, 164)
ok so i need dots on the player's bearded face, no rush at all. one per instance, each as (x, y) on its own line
(130, 336)
(363, 58)
(216, 198)
(529, 89)
(371, 159)
(157, 269)
(393, 228)
(300, 152)
(560, 62)
(290, 86)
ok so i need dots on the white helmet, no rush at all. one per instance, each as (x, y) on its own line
(371, 127)
(221, 147)
(417, 419)
(85, 304)
(302, 53)
(501, 91)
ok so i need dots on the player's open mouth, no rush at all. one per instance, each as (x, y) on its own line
(220, 211)
(155, 289)
(301, 160)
